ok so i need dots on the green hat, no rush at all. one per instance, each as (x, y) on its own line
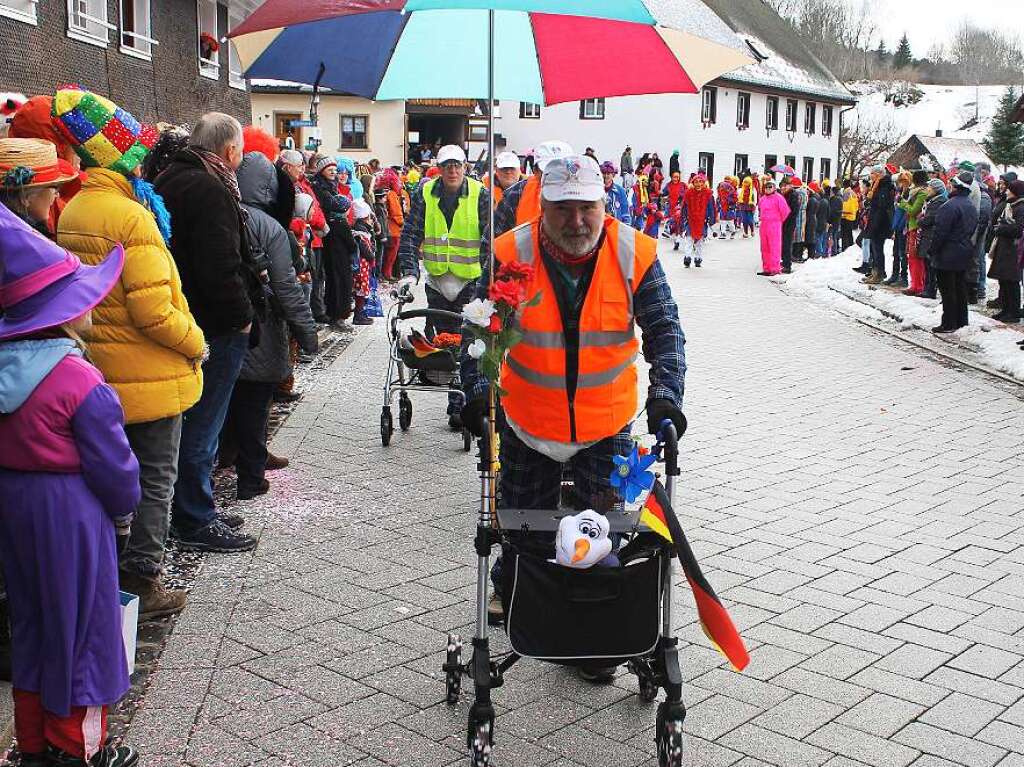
(966, 165)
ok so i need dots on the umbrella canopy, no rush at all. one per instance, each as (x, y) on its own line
(785, 170)
(392, 49)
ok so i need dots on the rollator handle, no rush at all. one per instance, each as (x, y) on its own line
(670, 440)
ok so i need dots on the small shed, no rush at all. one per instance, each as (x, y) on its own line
(1018, 111)
(938, 152)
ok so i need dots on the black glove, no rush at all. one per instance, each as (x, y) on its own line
(660, 409)
(473, 414)
(122, 541)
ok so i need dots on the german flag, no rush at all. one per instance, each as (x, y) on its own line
(659, 516)
(421, 347)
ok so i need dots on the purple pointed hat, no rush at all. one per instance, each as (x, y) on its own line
(41, 284)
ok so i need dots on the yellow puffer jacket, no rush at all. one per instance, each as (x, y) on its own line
(144, 339)
(850, 207)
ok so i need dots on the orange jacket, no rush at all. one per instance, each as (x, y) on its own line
(535, 375)
(396, 219)
(529, 204)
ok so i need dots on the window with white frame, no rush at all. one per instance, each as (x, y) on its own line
(741, 163)
(810, 117)
(87, 19)
(208, 42)
(592, 109)
(354, 132)
(808, 169)
(791, 107)
(235, 77)
(22, 10)
(826, 167)
(137, 28)
(528, 111)
(826, 120)
(708, 105)
(771, 117)
(742, 110)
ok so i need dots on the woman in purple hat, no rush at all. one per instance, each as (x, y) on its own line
(68, 485)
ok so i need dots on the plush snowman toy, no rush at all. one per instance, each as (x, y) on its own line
(582, 540)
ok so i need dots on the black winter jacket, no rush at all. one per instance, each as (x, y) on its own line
(207, 246)
(880, 211)
(952, 246)
(1007, 229)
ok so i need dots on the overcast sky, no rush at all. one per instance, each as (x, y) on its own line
(928, 21)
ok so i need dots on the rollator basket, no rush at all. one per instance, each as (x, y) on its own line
(443, 361)
(576, 616)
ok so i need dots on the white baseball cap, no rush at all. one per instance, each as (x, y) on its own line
(507, 160)
(576, 177)
(450, 152)
(548, 151)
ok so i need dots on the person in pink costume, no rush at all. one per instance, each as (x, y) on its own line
(774, 210)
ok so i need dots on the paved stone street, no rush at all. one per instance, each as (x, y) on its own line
(857, 504)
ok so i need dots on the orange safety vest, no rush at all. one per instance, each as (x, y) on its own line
(535, 372)
(529, 202)
(497, 193)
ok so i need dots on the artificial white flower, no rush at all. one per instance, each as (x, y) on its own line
(477, 349)
(479, 311)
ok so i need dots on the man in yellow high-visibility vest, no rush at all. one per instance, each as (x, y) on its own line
(446, 221)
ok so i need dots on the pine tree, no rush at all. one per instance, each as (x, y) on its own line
(1005, 142)
(904, 58)
(881, 51)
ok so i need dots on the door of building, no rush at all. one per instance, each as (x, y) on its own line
(284, 131)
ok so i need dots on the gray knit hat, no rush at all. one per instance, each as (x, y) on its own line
(324, 162)
(292, 157)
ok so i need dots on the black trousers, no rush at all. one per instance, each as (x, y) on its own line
(337, 269)
(435, 325)
(787, 247)
(878, 255)
(245, 430)
(953, 286)
(1009, 297)
(847, 237)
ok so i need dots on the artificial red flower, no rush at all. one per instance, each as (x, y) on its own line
(448, 340)
(515, 270)
(495, 326)
(508, 292)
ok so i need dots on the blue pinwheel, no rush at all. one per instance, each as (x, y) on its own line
(631, 477)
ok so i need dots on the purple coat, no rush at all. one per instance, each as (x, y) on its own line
(66, 472)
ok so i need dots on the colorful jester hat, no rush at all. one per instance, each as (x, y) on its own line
(101, 133)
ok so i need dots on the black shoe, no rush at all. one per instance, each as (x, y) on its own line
(862, 269)
(455, 421)
(362, 319)
(995, 303)
(942, 329)
(676, 246)
(248, 493)
(698, 262)
(686, 261)
(933, 295)
(1007, 317)
(891, 281)
(108, 756)
(287, 396)
(597, 674)
(230, 519)
(29, 760)
(216, 537)
(787, 270)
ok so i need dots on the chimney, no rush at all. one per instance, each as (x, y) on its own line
(938, 133)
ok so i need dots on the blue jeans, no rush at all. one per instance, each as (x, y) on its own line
(982, 267)
(865, 249)
(821, 246)
(193, 492)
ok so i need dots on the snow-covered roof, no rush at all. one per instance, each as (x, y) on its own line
(949, 150)
(784, 62)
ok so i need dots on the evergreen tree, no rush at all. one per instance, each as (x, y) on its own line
(904, 58)
(1005, 142)
(881, 51)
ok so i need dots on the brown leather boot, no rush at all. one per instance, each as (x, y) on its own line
(155, 601)
(275, 462)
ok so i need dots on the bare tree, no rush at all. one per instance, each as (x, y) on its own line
(867, 140)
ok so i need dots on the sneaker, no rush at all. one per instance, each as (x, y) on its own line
(676, 246)
(108, 756)
(495, 610)
(597, 674)
(248, 493)
(230, 519)
(686, 261)
(155, 601)
(216, 537)
(698, 262)
(287, 396)
(362, 319)
(275, 462)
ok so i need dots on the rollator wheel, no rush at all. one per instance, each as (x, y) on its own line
(387, 426)
(467, 440)
(480, 745)
(670, 744)
(404, 411)
(453, 669)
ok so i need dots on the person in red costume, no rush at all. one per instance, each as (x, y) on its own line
(699, 216)
(674, 191)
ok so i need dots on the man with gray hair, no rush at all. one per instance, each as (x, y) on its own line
(222, 286)
(293, 164)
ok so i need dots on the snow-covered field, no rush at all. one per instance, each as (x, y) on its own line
(943, 107)
(819, 280)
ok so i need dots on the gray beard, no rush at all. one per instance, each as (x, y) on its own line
(573, 248)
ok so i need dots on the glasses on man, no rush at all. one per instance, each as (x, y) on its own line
(450, 165)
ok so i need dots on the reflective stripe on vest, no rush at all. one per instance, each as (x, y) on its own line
(455, 250)
(535, 371)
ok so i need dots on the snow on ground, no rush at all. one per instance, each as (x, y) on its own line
(945, 107)
(820, 280)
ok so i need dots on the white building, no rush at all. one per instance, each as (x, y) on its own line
(786, 108)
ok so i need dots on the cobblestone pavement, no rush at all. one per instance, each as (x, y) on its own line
(856, 503)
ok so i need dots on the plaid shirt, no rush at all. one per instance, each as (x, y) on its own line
(412, 230)
(662, 339)
(505, 213)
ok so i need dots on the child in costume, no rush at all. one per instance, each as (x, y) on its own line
(699, 215)
(69, 484)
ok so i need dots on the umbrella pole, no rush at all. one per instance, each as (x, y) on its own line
(492, 393)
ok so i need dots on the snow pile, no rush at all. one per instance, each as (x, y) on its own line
(825, 281)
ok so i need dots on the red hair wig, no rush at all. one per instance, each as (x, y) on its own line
(258, 140)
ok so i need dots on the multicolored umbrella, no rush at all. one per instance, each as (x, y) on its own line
(545, 51)
(785, 170)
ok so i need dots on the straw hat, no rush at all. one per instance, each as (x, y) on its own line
(29, 163)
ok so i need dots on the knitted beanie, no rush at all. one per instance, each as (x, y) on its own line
(964, 179)
(292, 157)
(100, 132)
(324, 162)
(938, 185)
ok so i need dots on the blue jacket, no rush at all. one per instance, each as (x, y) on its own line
(616, 203)
(952, 245)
